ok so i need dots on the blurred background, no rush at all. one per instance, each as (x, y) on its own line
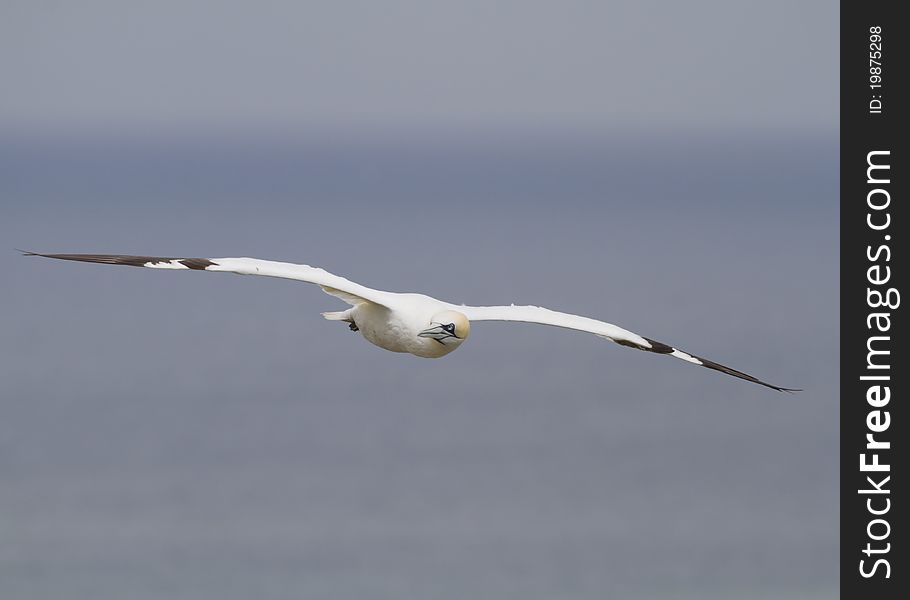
(671, 168)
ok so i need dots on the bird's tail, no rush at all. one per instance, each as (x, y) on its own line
(344, 315)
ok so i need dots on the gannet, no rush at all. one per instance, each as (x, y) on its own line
(406, 322)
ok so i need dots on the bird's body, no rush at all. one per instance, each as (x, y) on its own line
(404, 322)
(397, 327)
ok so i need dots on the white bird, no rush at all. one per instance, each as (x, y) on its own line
(412, 323)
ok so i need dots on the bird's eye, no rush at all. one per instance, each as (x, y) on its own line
(450, 327)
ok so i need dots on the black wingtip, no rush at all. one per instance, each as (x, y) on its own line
(661, 348)
(788, 390)
(196, 264)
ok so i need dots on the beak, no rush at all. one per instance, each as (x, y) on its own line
(437, 333)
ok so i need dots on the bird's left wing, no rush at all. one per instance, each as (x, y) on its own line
(537, 314)
(350, 292)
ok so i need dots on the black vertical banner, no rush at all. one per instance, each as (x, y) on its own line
(875, 377)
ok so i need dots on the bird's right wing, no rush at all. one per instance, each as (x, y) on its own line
(623, 337)
(350, 292)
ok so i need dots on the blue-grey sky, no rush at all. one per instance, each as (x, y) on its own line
(212, 436)
(671, 168)
(412, 64)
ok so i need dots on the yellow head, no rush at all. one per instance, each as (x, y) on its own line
(449, 328)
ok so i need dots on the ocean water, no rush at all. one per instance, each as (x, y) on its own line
(187, 435)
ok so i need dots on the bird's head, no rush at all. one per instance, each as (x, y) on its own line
(449, 328)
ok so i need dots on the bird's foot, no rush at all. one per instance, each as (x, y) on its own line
(353, 326)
